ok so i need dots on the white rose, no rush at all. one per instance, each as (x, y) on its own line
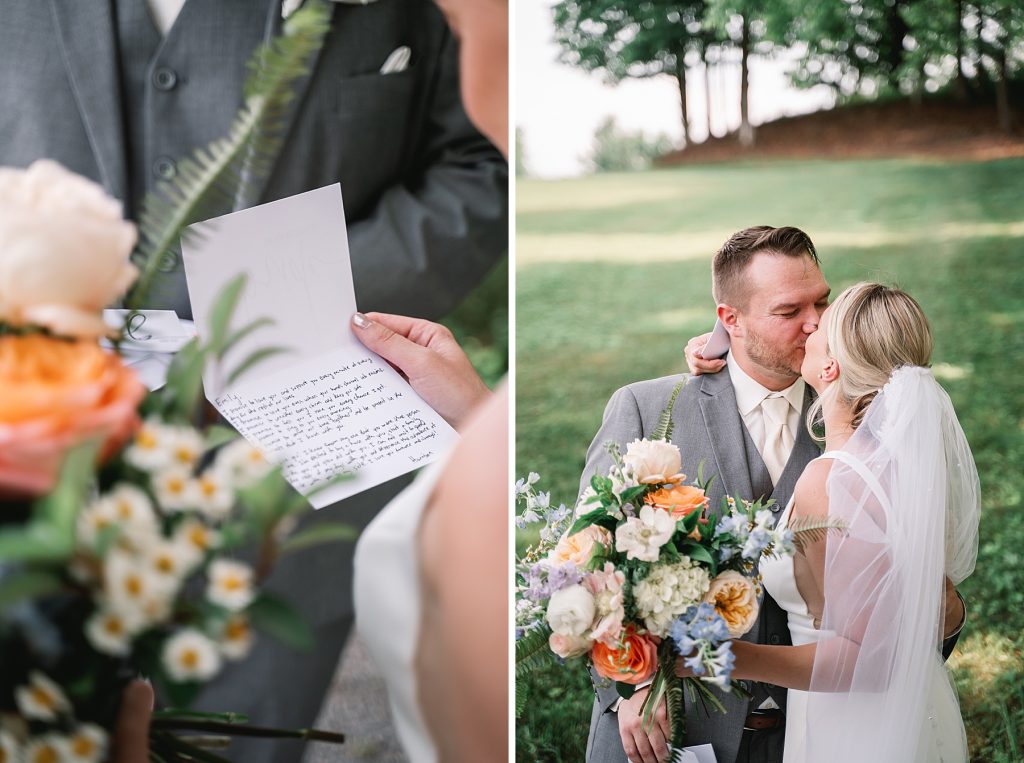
(654, 461)
(571, 611)
(569, 646)
(64, 250)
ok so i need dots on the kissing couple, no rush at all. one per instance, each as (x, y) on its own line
(831, 411)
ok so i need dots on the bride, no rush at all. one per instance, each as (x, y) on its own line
(865, 607)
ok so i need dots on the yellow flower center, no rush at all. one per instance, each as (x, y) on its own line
(83, 746)
(190, 658)
(124, 510)
(165, 564)
(185, 455)
(209, 487)
(43, 698)
(45, 754)
(113, 626)
(199, 538)
(176, 485)
(233, 583)
(236, 630)
(147, 439)
(133, 585)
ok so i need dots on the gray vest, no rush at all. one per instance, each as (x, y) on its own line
(170, 106)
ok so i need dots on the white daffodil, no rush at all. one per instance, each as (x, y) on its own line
(237, 640)
(42, 699)
(48, 748)
(175, 489)
(230, 584)
(190, 656)
(196, 538)
(151, 449)
(10, 750)
(186, 446)
(134, 590)
(88, 744)
(214, 496)
(244, 464)
(111, 632)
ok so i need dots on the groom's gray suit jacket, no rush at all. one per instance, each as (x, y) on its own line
(92, 84)
(708, 429)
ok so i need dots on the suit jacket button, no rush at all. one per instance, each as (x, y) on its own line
(775, 640)
(164, 78)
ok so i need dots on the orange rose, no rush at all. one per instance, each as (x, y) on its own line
(54, 395)
(633, 662)
(679, 500)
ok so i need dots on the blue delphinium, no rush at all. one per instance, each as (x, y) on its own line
(702, 637)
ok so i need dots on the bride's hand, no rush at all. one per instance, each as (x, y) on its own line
(697, 364)
(131, 735)
(640, 744)
(428, 356)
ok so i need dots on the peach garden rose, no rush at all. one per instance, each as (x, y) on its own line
(57, 394)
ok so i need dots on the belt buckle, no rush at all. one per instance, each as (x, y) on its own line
(776, 714)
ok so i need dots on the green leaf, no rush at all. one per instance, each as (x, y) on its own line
(178, 714)
(630, 493)
(28, 585)
(698, 553)
(624, 690)
(588, 519)
(184, 382)
(217, 435)
(265, 501)
(223, 308)
(276, 617)
(254, 359)
(246, 330)
(317, 535)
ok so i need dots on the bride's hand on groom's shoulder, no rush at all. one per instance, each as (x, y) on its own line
(696, 364)
(643, 745)
(428, 356)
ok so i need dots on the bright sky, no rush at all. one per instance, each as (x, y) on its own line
(558, 107)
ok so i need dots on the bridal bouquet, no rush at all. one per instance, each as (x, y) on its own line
(123, 518)
(642, 573)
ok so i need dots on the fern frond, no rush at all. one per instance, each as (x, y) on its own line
(808, 530)
(676, 717)
(521, 697)
(209, 182)
(532, 650)
(664, 429)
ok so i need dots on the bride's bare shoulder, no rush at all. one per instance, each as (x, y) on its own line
(810, 496)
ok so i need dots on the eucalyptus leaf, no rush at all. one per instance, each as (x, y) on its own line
(217, 435)
(223, 308)
(255, 359)
(238, 335)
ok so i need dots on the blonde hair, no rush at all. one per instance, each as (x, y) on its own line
(871, 331)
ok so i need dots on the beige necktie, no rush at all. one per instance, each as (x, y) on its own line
(778, 441)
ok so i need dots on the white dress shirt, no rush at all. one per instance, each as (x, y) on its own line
(749, 395)
(164, 13)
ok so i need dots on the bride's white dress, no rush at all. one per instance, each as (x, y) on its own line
(389, 605)
(942, 738)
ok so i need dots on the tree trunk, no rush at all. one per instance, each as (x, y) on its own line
(979, 42)
(960, 84)
(1002, 94)
(746, 129)
(893, 52)
(681, 79)
(707, 90)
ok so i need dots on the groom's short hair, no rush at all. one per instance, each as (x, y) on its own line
(732, 259)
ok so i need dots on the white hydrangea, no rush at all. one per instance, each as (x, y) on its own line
(642, 537)
(667, 592)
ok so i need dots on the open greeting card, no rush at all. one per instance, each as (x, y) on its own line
(327, 406)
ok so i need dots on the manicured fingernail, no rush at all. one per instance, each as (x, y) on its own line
(361, 321)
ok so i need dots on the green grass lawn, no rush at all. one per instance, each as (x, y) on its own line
(613, 277)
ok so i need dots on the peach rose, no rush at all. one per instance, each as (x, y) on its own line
(569, 646)
(633, 662)
(64, 250)
(653, 461)
(734, 598)
(679, 500)
(57, 394)
(579, 547)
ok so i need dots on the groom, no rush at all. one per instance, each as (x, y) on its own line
(746, 425)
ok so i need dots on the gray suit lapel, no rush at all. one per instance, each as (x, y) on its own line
(250, 189)
(725, 433)
(88, 46)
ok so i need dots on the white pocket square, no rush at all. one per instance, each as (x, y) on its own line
(398, 61)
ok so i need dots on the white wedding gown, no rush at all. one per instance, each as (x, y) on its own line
(388, 605)
(942, 737)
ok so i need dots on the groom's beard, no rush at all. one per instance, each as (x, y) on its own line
(772, 358)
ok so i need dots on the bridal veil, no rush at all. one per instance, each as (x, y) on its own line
(907, 488)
